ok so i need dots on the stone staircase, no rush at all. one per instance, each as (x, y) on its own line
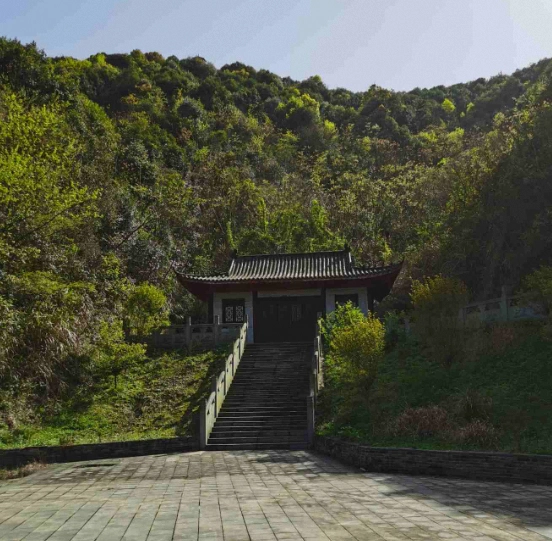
(266, 406)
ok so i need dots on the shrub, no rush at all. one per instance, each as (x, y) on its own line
(146, 310)
(357, 350)
(501, 337)
(472, 405)
(478, 433)
(112, 355)
(537, 287)
(343, 316)
(422, 422)
(437, 302)
(395, 331)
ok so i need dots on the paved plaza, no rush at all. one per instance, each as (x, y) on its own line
(242, 495)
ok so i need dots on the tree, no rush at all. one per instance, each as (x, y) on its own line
(146, 310)
(41, 200)
(448, 106)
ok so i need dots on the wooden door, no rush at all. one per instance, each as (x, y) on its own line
(286, 319)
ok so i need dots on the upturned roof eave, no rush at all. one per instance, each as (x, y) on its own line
(380, 272)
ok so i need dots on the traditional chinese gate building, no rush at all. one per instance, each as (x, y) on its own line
(283, 295)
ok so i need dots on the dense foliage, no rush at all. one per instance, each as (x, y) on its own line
(154, 396)
(355, 344)
(475, 387)
(115, 167)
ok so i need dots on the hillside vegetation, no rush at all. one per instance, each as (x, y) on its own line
(495, 395)
(115, 168)
(155, 396)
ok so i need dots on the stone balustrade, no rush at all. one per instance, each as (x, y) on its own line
(503, 308)
(189, 335)
(316, 382)
(221, 385)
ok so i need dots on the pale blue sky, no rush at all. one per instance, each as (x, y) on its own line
(398, 44)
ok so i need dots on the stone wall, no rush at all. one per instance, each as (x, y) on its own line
(10, 458)
(513, 468)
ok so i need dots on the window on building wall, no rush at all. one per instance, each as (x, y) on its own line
(345, 298)
(233, 310)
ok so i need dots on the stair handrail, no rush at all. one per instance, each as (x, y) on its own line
(316, 382)
(220, 386)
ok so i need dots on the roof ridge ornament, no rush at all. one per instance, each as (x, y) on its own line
(349, 257)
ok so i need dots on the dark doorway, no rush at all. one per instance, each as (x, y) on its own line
(286, 319)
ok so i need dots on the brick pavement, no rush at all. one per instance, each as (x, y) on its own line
(262, 495)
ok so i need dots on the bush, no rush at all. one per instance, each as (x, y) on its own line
(477, 433)
(395, 331)
(357, 349)
(146, 310)
(537, 287)
(343, 316)
(422, 422)
(356, 344)
(112, 355)
(437, 302)
(502, 337)
(472, 406)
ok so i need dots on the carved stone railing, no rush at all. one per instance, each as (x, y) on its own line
(316, 381)
(219, 389)
(504, 308)
(189, 335)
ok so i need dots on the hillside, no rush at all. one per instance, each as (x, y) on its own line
(496, 399)
(115, 168)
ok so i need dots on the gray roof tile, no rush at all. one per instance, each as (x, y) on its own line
(304, 266)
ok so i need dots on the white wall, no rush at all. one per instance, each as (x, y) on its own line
(290, 293)
(360, 291)
(248, 296)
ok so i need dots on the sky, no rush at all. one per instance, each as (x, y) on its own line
(398, 44)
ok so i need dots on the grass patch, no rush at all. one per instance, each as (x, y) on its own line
(156, 398)
(22, 471)
(499, 400)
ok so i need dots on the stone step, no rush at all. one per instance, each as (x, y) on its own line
(262, 422)
(255, 389)
(279, 399)
(284, 395)
(266, 406)
(259, 395)
(296, 433)
(255, 446)
(257, 439)
(232, 419)
(273, 383)
(267, 400)
(270, 366)
(267, 391)
(261, 413)
(279, 405)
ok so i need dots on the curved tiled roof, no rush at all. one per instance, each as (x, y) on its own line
(303, 266)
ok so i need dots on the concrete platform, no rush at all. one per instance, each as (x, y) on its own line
(262, 495)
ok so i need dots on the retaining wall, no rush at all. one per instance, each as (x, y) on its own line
(74, 453)
(513, 468)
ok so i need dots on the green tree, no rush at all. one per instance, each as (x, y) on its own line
(146, 310)
(448, 106)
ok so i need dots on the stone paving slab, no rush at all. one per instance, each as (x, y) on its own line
(262, 496)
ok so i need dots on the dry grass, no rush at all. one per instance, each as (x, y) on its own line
(21, 471)
(478, 433)
(422, 422)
